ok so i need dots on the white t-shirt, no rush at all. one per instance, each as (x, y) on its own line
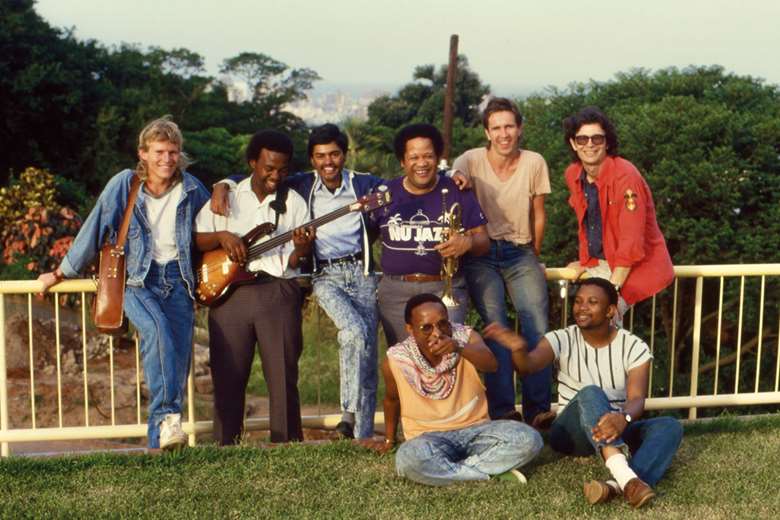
(161, 213)
(580, 364)
(246, 212)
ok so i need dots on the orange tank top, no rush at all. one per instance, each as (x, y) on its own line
(465, 406)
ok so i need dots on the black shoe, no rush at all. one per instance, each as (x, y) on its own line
(347, 430)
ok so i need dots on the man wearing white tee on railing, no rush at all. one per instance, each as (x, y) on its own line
(602, 386)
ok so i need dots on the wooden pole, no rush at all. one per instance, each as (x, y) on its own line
(449, 97)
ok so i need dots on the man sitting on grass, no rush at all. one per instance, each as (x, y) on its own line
(431, 381)
(602, 385)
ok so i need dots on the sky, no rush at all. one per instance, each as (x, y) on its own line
(516, 47)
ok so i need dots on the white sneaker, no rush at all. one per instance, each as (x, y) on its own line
(513, 475)
(171, 434)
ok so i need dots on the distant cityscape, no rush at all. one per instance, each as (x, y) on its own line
(338, 103)
(335, 106)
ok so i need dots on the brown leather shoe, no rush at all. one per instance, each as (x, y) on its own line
(511, 415)
(544, 420)
(598, 492)
(637, 493)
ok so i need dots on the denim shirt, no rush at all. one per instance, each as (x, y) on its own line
(361, 184)
(593, 227)
(104, 221)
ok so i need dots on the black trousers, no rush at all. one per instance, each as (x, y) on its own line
(267, 314)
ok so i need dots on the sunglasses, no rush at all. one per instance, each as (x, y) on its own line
(597, 139)
(443, 326)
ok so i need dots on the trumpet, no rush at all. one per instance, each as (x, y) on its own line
(451, 218)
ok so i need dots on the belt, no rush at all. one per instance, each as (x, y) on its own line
(355, 257)
(416, 277)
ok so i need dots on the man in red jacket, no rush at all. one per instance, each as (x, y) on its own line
(618, 233)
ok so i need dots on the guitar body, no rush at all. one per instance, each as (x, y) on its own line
(216, 276)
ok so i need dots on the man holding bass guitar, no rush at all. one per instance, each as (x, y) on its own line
(344, 282)
(267, 309)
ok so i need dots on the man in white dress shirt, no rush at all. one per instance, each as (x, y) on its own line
(266, 311)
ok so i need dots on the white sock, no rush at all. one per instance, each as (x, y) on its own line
(618, 466)
(348, 417)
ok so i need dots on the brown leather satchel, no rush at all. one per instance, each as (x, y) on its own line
(108, 303)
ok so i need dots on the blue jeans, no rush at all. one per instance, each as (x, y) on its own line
(514, 269)
(348, 297)
(162, 312)
(472, 453)
(652, 442)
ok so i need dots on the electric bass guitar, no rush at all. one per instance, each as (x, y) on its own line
(217, 275)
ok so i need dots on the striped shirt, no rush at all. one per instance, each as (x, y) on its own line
(580, 364)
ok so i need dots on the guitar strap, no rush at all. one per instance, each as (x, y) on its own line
(279, 204)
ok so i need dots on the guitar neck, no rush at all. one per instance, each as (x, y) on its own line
(258, 249)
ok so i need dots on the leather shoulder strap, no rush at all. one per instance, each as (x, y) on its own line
(279, 204)
(135, 185)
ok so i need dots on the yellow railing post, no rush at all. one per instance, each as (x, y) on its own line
(191, 398)
(696, 344)
(3, 380)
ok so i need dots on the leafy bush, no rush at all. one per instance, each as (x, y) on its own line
(35, 230)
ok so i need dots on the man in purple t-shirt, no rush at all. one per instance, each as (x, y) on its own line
(411, 230)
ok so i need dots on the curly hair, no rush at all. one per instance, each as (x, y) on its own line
(606, 286)
(417, 300)
(272, 140)
(587, 116)
(326, 134)
(414, 131)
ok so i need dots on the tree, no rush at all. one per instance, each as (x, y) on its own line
(47, 91)
(706, 141)
(216, 153)
(421, 101)
(708, 144)
(76, 107)
(272, 85)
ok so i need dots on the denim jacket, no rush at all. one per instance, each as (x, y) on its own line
(362, 184)
(104, 221)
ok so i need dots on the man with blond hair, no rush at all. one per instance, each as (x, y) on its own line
(160, 282)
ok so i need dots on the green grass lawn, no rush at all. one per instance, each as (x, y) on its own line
(725, 469)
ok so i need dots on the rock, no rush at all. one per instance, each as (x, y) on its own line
(17, 353)
(97, 346)
(125, 396)
(204, 385)
(201, 356)
(69, 365)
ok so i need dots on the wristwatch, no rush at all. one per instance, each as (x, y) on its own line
(627, 417)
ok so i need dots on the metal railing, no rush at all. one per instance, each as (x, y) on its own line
(712, 279)
(659, 321)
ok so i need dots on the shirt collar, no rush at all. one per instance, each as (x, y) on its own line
(245, 185)
(244, 188)
(319, 185)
